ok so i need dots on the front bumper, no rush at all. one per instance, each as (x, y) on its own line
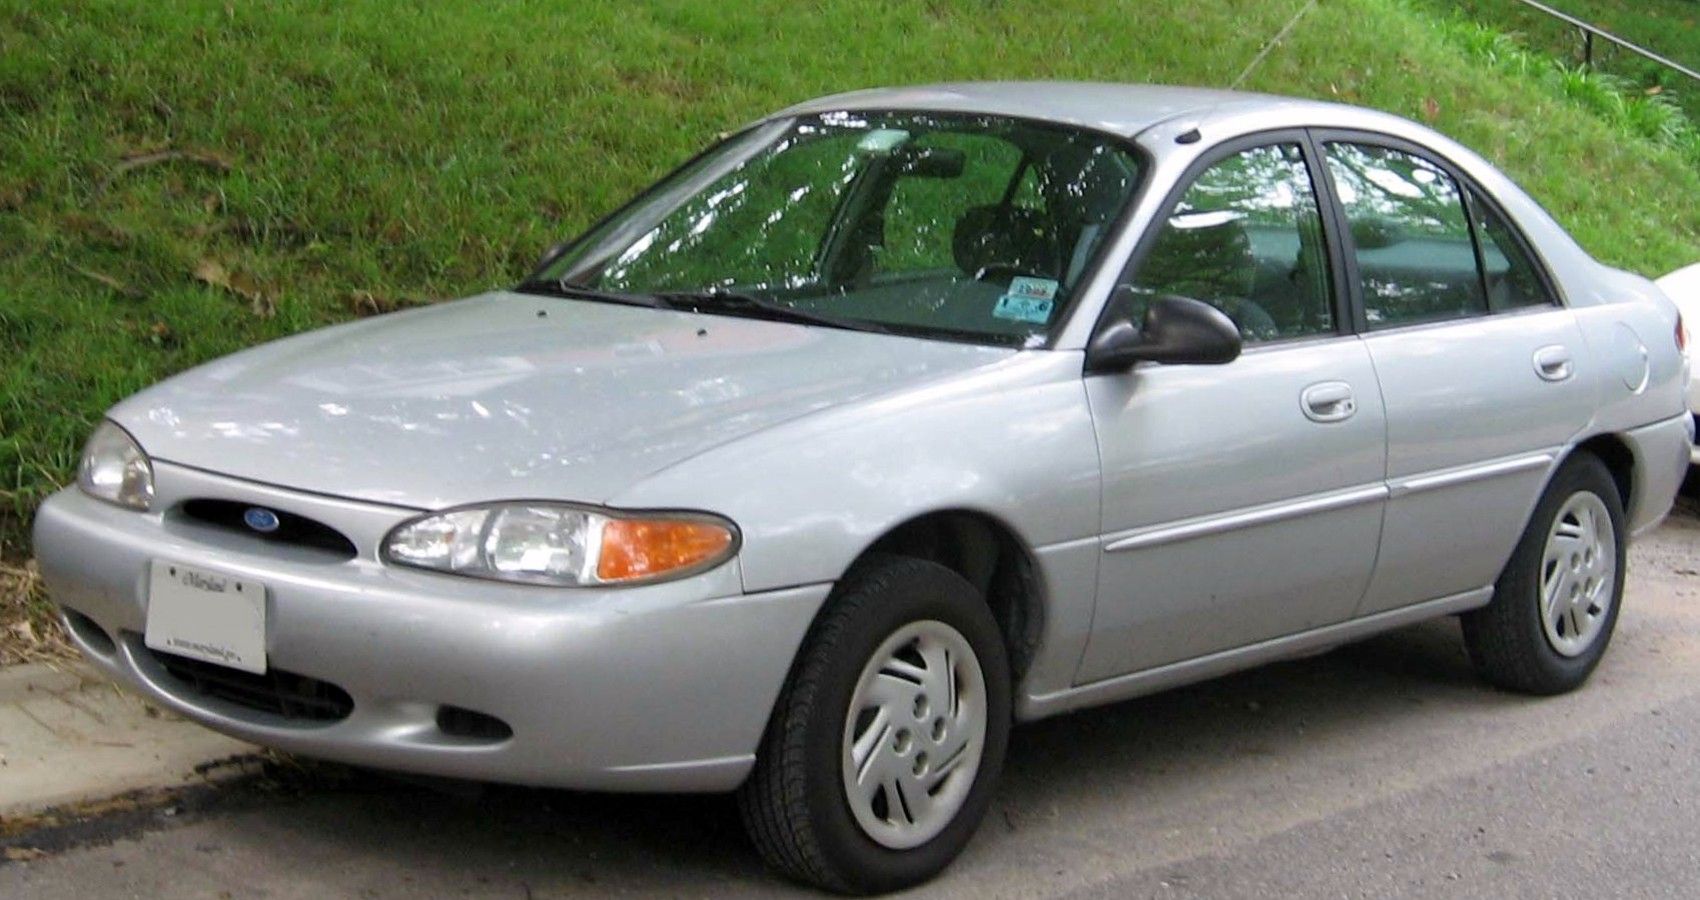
(663, 687)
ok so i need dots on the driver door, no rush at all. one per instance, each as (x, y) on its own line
(1241, 502)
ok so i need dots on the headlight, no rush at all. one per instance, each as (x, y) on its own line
(558, 544)
(115, 469)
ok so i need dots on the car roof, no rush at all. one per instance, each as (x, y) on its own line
(1122, 109)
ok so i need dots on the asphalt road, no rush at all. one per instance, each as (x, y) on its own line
(1383, 768)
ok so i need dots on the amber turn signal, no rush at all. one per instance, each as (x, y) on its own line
(635, 549)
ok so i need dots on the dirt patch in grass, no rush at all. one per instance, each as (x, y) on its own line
(29, 632)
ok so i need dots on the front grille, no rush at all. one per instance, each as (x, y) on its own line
(283, 694)
(292, 529)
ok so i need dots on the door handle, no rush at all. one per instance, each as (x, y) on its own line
(1328, 401)
(1552, 363)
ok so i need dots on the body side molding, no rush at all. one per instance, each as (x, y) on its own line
(1150, 681)
(1412, 484)
(1217, 523)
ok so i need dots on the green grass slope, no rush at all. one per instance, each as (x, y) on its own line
(1668, 27)
(178, 181)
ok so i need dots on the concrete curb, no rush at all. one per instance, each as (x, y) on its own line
(68, 735)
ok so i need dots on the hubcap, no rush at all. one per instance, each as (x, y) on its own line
(914, 734)
(1578, 574)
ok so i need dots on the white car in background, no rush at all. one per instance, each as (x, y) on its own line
(1683, 287)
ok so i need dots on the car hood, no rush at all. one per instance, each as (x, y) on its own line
(507, 396)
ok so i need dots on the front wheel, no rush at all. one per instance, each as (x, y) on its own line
(886, 743)
(1555, 606)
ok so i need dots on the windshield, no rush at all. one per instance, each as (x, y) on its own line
(962, 226)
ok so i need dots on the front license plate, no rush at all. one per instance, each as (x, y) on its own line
(207, 615)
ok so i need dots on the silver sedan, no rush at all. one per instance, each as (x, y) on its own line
(893, 419)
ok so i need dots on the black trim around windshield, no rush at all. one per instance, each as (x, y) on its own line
(1066, 310)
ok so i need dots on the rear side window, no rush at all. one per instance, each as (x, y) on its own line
(1411, 232)
(1510, 275)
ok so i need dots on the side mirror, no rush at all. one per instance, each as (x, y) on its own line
(1177, 331)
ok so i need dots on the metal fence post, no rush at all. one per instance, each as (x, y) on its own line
(1589, 32)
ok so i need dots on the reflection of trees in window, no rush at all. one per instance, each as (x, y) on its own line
(762, 225)
(899, 218)
(758, 226)
(1246, 237)
(1396, 190)
(1416, 259)
(1266, 185)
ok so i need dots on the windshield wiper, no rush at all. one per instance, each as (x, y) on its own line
(560, 287)
(761, 308)
(701, 301)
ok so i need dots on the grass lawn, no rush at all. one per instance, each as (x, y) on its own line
(180, 180)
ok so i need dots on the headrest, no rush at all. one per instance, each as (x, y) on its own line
(1205, 256)
(1005, 235)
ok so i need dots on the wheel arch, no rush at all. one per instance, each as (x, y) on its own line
(1619, 459)
(990, 555)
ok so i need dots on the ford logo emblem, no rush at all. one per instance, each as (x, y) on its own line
(262, 520)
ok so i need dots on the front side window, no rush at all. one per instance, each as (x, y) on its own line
(963, 226)
(1416, 257)
(1246, 237)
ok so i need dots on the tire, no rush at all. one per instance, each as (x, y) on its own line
(797, 804)
(1513, 641)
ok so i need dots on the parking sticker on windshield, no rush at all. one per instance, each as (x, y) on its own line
(1027, 300)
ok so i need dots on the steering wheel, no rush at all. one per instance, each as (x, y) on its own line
(1255, 322)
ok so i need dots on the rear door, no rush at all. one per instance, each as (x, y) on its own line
(1476, 359)
(1242, 502)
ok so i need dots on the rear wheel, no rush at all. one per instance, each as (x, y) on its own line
(1555, 606)
(886, 743)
